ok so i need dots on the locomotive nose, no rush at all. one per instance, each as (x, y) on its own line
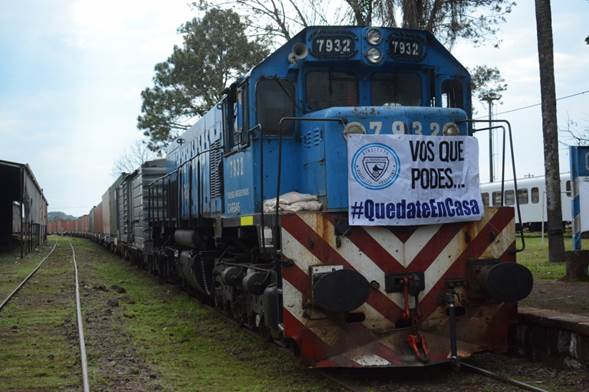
(506, 282)
(340, 291)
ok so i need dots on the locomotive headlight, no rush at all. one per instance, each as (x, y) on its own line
(373, 36)
(451, 129)
(354, 127)
(374, 55)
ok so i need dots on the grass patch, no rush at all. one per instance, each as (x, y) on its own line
(13, 269)
(37, 325)
(192, 347)
(535, 256)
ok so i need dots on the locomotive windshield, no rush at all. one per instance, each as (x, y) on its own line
(399, 88)
(329, 88)
(275, 100)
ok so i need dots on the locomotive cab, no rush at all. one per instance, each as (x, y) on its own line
(323, 84)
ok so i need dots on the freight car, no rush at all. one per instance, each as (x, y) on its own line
(327, 202)
(23, 207)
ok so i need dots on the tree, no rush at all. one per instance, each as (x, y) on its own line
(215, 51)
(280, 20)
(550, 130)
(576, 136)
(137, 154)
(587, 40)
(487, 81)
(448, 20)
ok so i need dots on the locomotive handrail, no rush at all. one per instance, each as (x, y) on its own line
(280, 125)
(278, 173)
(517, 204)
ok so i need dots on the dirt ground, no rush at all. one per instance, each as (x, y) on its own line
(444, 378)
(114, 362)
(146, 335)
(570, 297)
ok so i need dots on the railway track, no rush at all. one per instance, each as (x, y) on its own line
(337, 376)
(11, 296)
(83, 358)
(357, 386)
(26, 279)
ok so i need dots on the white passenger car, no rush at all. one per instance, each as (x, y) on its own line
(531, 194)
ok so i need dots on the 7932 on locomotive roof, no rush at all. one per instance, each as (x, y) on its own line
(344, 292)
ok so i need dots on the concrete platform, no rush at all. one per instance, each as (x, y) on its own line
(550, 334)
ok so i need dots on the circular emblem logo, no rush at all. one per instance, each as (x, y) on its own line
(375, 166)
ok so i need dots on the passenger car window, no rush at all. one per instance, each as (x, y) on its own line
(398, 88)
(522, 196)
(274, 100)
(569, 190)
(535, 195)
(485, 197)
(496, 198)
(326, 89)
(509, 197)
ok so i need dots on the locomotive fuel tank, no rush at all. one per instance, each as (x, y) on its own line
(188, 238)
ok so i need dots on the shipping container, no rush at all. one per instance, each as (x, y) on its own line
(105, 218)
(83, 224)
(98, 224)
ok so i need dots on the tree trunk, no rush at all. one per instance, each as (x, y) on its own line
(550, 130)
(577, 263)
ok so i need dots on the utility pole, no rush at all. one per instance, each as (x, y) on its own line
(490, 98)
(550, 130)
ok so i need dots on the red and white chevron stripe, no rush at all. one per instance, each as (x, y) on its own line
(440, 251)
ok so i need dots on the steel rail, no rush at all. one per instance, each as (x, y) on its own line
(83, 357)
(498, 377)
(9, 297)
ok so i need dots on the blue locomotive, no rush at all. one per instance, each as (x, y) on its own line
(251, 210)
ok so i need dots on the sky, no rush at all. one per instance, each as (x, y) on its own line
(71, 73)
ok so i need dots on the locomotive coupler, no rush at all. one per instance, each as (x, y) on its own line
(410, 285)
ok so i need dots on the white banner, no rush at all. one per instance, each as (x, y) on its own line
(413, 180)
